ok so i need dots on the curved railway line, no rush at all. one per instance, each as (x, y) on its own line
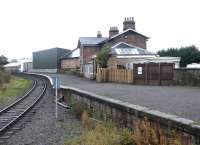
(14, 112)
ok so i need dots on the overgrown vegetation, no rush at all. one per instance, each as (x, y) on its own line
(77, 108)
(75, 72)
(4, 79)
(188, 54)
(16, 86)
(102, 57)
(104, 133)
(101, 134)
(145, 134)
(3, 61)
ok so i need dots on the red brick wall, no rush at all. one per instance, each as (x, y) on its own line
(88, 52)
(130, 38)
(70, 63)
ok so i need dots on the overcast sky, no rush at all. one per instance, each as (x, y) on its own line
(31, 25)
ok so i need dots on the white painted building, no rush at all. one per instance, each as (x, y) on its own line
(193, 65)
(22, 65)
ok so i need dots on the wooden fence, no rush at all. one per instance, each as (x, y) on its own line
(114, 75)
(148, 74)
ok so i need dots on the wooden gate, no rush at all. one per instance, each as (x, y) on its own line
(154, 73)
(139, 73)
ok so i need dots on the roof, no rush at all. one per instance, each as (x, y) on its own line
(12, 64)
(123, 48)
(72, 54)
(127, 31)
(50, 49)
(91, 40)
(95, 41)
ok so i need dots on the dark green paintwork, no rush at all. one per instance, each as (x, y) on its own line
(48, 59)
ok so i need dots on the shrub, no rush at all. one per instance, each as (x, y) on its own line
(145, 134)
(110, 134)
(4, 79)
(103, 134)
(102, 57)
(77, 107)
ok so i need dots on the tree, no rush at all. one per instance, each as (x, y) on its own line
(188, 54)
(102, 57)
(3, 61)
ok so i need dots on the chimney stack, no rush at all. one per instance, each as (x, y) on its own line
(128, 23)
(113, 31)
(99, 35)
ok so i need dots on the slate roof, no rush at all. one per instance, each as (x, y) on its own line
(91, 40)
(94, 41)
(72, 54)
(123, 48)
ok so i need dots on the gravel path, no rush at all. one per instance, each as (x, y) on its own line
(40, 126)
(181, 101)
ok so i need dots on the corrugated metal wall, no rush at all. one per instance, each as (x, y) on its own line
(48, 59)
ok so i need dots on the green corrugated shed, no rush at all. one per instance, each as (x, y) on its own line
(49, 58)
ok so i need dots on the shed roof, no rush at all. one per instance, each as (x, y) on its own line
(72, 54)
(53, 49)
(12, 64)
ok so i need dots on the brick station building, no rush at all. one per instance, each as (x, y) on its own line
(126, 48)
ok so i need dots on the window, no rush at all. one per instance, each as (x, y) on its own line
(139, 70)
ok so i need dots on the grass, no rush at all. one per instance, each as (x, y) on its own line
(111, 134)
(196, 123)
(102, 134)
(16, 87)
(107, 133)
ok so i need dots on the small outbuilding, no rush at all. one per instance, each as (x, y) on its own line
(71, 60)
(13, 67)
(48, 60)
(20, 65)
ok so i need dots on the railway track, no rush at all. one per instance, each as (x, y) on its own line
(14, 112)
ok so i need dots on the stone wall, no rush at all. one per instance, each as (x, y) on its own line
(187, 76)
(127, 115)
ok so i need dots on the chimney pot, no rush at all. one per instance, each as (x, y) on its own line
(113, 31)
(99, 35)
(129, 23)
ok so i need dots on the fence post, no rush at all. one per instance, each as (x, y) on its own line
(146, 73)
(159, 72)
